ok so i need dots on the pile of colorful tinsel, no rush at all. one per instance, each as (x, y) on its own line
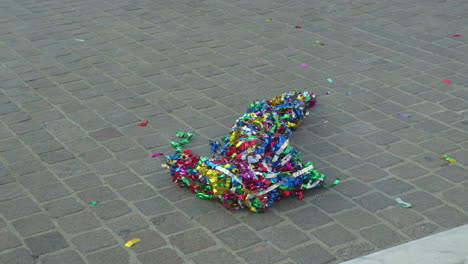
(258, 166)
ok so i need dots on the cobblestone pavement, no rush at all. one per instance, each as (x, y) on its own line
(77, 76)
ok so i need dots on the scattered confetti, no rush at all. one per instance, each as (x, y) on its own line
(94, 203)
(268, 20)
(156, 155)
(132, 242)
(320, 43)
(298, 27)
(456, 35)
(304, 65)
(80, 40)
(330, 80)
(447, 81)
(403, 203)
(328, 93)
(404, 115)
(258, 166)
(144, 123)
(449, 159)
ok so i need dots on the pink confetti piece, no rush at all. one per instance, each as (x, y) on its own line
(447, 81)
(144, 123)
(298, 27)
(304, 65)
(456, 35)
(156, 155)
(327, 93)
(404, 115)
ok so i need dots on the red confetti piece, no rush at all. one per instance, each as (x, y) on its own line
(298, 27)
(447, 81)
(144, 123)
(156, 155)
(456, 35)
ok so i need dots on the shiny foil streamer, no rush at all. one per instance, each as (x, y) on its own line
(258, 165)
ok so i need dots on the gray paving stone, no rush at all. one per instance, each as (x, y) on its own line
(309, 217)
(191, 241)
(384, 160)
(79, 222)
(163, 256)
(8, 240)
(400, 217)
(446, 216)
(374, 201)
(116, 255)
(33, 225)
(314, 251)
(284, 236)
(331, 202)
(214, 256)
(154, 206)
(354, 250)
(365, 149)
(420, 230)
(239, 238)
(94, 240)
(10, 191)
(63, 207)
(83, 182)
(432, 184)
(105, 134)
(392, 186)
(262, 253)
(137, 192)
(46, 243)
(457, 196)
(18, 208)
(408, 171)
(56, 156)
(421, 200)
(352, 188)
(334, 235)
(111, 209)
(368, 173)
(95, 155)
(453, 173)
(151, 239)
(381, 236)
(70, 257)
(214, 221)
(382, 138)
(18, 256)
(49, 192)
(127, 224)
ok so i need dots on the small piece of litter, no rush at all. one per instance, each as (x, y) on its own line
(144, 123)
(456, 35)
(304, 65)
(320, 43)
(337, 180)
(307, 113)
(132, 242)
(330, 80)
(402, 203)
(156, 155)
(163, 165)
(298, 27)
(80, 40)
(268, 20)
(94, 203)
(349, 93)
(328, 93)
(449, 159)
(447, 81)
(404, 115)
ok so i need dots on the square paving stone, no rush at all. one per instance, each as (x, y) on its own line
(37, 179)
(262, 254)
(214, 257)
(400, 217)
(239, 238)
(33, 225)
(374, 201)
(49, 192)
(384, 160)
(154, 206)
(333, 235)
(79, 222)
(453, 173)
(313, 252)
(382, 138)
(368, 173)
(332, 202)
(10, 191)
(18, 256)
(421, 201)
(392, 186)
(344, 161)
(137, 192)
(457, 196)
(191, 241)
(149, 240)
(115, 255)
(447, 216)
(63, 207)
(161, 256)
(83, 182)
(215, 221)
(284, 236)
(46, 243)
(432, 184)
(408, 171)
(122, 180)
(381, 236)
(195, 206)
(99, 194)
(93, 241)
(420, 230)
(69, 168)
(18, 208)
(105, 134)
(69, 257)
(112, 209)
(95, 155)
(125, 225)
(309, 217)
(356, 219)
(109, 166)
(352, 188)
(8, 240)
(354, 250)
(365, 149)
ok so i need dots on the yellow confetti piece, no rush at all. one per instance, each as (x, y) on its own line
(132, 242)
(319, 42)
(268, 20)
(449, 159)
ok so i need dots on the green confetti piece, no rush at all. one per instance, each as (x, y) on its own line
(336, 182)
(80, 40)
(403, 203)
(330, 80)
(94, 203)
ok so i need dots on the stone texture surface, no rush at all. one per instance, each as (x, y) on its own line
(78, 76)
